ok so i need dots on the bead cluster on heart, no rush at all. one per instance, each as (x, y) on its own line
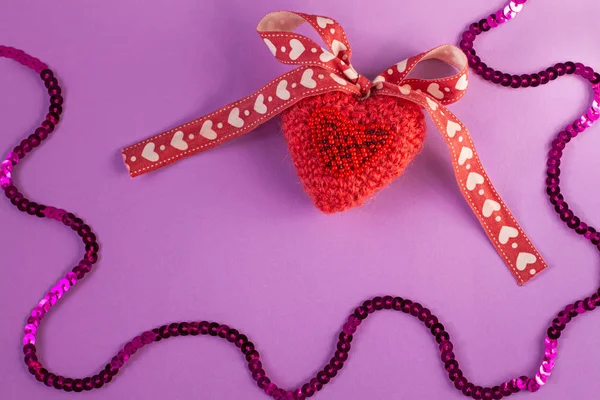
(345, 148)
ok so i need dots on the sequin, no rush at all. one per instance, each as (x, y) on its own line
(29, 338)
(515, 7)
(509, 13)
(500, 18)
(70, 276)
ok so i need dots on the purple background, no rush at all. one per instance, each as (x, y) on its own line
(230, 235)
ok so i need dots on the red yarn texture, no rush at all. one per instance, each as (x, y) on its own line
(333, 193)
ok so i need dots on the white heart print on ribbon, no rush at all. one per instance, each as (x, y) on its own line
(405, 89)
(234, 118)
(473, 180)
(297, 48)
(149, 154)
(401, 66)
(524, 259)
(326, 56)
(178, 142)
(465, 154)
(434, 90)
(323, 22)
(432, 104)
(259, 104)
(378, 81)
(282, 91)
(462, 83)
(271, 46)
(489, 206)
(338, 79)
(207, 131)
(507, 233)
(452, 128)
(337, 46)
(307, 79)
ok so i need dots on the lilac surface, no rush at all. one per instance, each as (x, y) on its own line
(231, 236)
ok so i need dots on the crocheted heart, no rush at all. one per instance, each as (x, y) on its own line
(346, 149)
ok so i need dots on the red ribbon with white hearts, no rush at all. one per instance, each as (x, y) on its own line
(326, 70)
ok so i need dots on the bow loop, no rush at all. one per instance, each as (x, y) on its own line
(277, 30)
(443, 90)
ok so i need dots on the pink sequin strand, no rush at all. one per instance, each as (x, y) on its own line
(341, 352)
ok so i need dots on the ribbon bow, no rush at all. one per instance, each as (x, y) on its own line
(326, 70)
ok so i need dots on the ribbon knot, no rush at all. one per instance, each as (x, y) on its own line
(323, 70)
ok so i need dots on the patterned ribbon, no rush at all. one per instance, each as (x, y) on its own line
(326, 70)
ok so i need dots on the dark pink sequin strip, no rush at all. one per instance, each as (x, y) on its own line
(341, 352)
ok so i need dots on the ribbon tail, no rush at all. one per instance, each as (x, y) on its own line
(503, 230)
(232, 120)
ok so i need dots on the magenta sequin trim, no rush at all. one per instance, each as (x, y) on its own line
(345, 338)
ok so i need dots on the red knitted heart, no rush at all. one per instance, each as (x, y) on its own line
(346, 149)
